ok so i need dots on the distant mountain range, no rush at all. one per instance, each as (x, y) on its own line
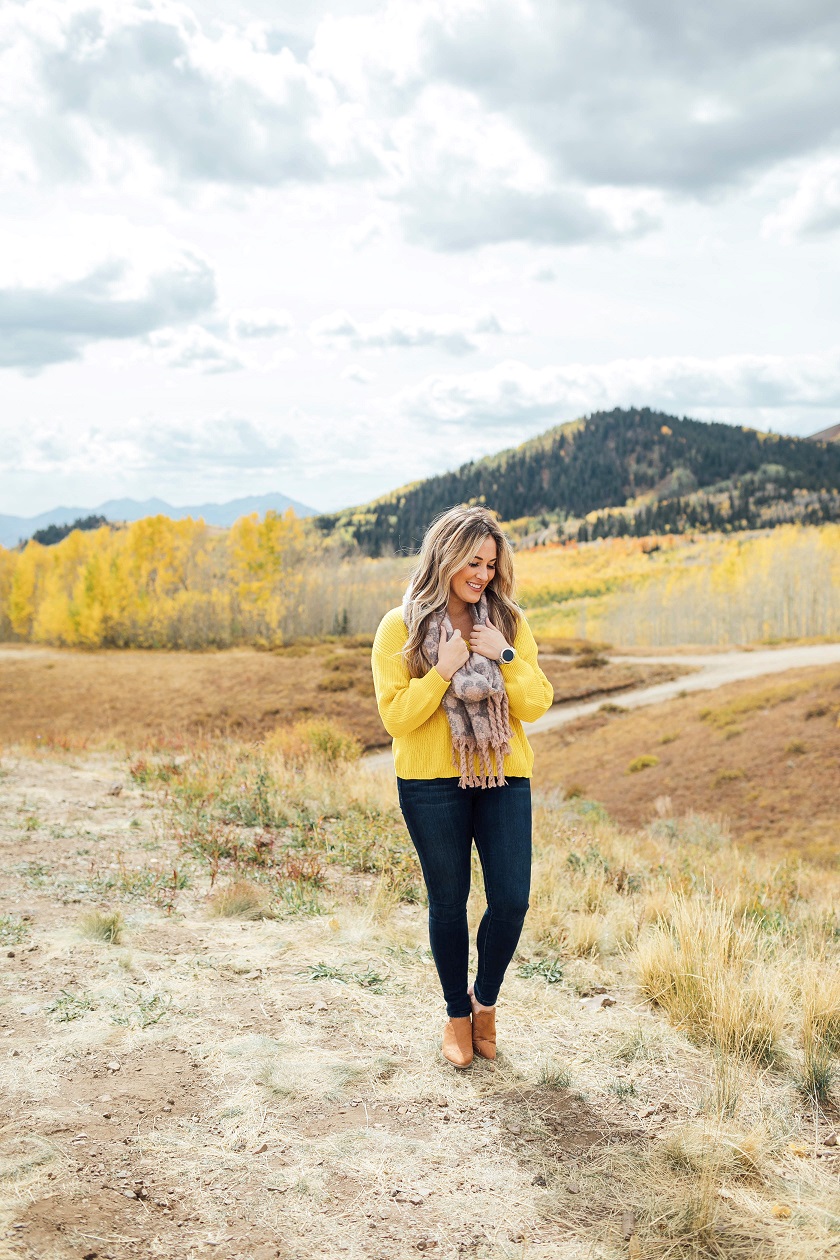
(633, 471)
(14, 529)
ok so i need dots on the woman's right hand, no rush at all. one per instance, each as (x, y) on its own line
(452, 654)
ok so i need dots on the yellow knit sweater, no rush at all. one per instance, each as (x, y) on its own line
(411, 711)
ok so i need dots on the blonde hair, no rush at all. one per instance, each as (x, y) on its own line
(449, 543)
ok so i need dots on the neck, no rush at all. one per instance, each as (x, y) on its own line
(456, 607)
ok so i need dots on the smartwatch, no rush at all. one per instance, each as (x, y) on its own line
(507, 655)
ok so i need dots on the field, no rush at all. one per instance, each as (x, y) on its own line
(138, 696)
(220, 1026)
(763, 754)
(219, 1013)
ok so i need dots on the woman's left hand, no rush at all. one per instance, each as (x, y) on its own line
(487, 640)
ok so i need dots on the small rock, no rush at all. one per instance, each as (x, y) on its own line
(539, 1180)
(16, 1054)
(10, 953)
(104, 1098)
(261, 1150)
(597, 1002)
(514, 1128)
(320, 1006)
(106, 1115)
(32, 1009)
(129, 1194)
(831, 1140)
(628, 1226)
(113, 1066)
(115, 789)
(573, 1187)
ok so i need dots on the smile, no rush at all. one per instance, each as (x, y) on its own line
(476, 586)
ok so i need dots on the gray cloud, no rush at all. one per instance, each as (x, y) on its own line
(399, 330)
(684, 98)
(236, 108)
(256, 324)
(39, 326)
(513, 392)
(464, 213)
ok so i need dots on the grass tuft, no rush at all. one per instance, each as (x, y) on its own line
(98, 925)
(239, 900)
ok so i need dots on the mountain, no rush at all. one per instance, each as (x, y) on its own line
(14, 529)
(826, 435)
(681, 473)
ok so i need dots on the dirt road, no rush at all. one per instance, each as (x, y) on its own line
(713, 670)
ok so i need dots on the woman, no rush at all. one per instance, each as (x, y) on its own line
(455, 671)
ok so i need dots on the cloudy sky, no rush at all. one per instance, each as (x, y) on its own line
(327, 248)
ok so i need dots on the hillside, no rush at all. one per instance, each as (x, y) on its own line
(832, 434)
(761, 753)
(682, 473)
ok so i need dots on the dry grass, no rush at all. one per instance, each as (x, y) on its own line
(705, 971)
(730, 756)
(98, 926)
(310, 1112)
(239, 900)
(67, 700)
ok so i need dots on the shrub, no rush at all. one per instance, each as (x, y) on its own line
(319, 740)
(240, 900)
(97, 926)
(644, 762)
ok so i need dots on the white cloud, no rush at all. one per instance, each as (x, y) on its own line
(194, 347)
(261, 322)
(215, 443)
(454, 334)
(206, 102)
(358, 374)
(513, 392)
(96, 280)
(813, 209)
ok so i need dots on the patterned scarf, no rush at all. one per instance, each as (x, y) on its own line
(476, 705)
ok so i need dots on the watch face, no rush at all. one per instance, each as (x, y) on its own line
(508, 655)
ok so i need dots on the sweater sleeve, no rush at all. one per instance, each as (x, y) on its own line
(404, 702)
(530, 694)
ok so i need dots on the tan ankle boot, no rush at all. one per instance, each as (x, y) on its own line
(484, 1033)
(457, 1042)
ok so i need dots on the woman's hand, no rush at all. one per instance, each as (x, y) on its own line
(487, 640)
(452, 654)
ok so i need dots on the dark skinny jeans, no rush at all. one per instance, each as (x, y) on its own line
(443, 819)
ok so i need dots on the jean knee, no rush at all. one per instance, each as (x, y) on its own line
(447, 911)
(509, 909)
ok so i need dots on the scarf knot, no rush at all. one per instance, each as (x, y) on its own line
(476, 706)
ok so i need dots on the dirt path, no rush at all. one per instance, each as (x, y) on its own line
(713, 670)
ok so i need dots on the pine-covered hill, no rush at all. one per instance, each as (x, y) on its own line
(602, 462)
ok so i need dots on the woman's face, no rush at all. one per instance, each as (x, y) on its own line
(468, 583)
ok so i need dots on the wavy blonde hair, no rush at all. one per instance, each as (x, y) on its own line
(449, 543)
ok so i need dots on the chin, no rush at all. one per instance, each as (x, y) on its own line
(471, 596)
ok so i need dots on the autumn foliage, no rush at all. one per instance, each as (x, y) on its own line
(155, 583)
